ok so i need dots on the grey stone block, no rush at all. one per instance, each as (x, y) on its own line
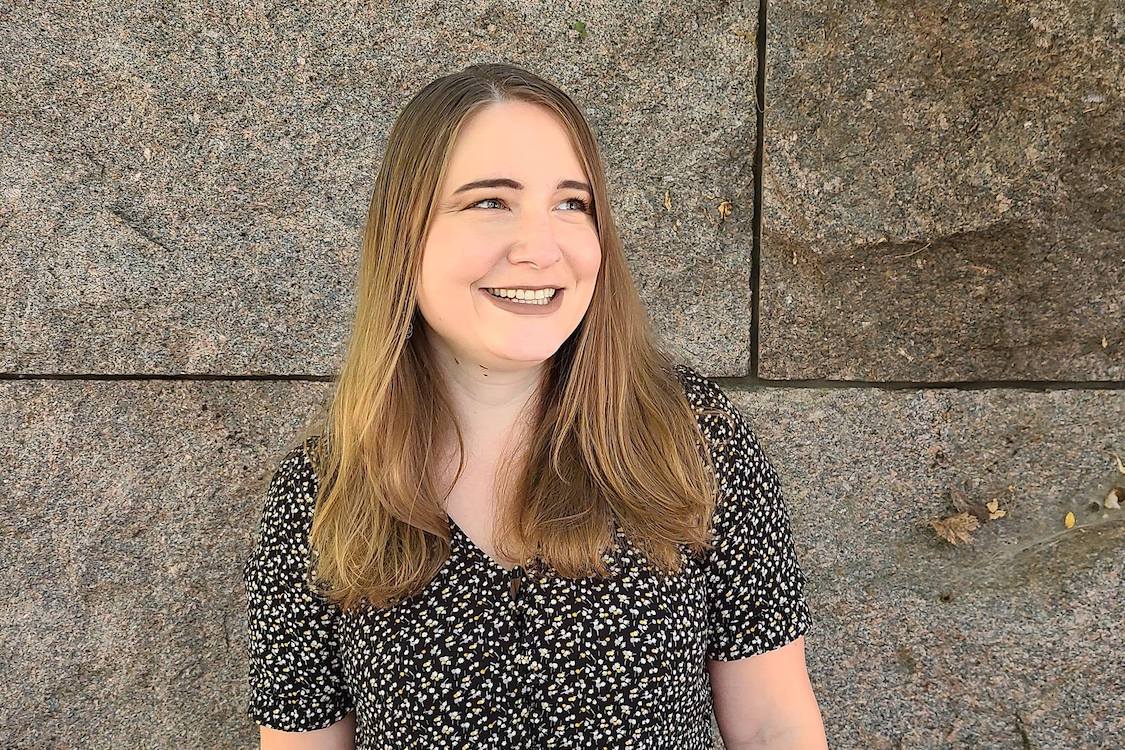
(942, 193)
(129, 508)
(1010, 641)
(185, 192)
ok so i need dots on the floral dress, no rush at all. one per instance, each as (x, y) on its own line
(485, 657)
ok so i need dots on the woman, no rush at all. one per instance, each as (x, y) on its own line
(519, 524)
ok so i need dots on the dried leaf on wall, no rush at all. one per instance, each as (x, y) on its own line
(956, 529)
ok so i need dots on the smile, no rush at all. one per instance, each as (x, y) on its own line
(523, 308)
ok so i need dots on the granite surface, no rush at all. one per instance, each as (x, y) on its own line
(182, 190)
(158, 156)
(130, 506)
(941, 192)
(1008, 641)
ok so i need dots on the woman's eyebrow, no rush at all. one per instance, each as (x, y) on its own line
(510, 183)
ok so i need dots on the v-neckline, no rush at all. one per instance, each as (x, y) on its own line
(456, 530)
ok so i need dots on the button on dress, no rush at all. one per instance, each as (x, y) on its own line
(485, 657)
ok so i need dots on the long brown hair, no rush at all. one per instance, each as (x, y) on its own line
(610, 436)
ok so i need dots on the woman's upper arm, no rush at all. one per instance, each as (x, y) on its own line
(296, 673)
(757, 611)
(338, 736)
(755, 583)
(764, 696)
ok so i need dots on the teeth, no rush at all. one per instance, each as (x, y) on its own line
(523, 294)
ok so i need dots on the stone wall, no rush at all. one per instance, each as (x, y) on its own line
(925, 316)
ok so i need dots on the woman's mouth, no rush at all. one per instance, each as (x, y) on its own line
(529, 307)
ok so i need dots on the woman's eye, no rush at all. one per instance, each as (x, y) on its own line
(583, 205)
(486, 200)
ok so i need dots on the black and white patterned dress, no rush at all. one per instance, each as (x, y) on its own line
(474, 661)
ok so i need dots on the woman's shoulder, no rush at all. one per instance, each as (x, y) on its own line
(717, 415)
(292, 491)
(701, 390)
(296, 466)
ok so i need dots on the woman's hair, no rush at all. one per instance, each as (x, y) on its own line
(610, 435)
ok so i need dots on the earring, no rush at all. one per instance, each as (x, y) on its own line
(410, 329)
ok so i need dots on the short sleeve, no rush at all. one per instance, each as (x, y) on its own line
(295, 677)
(755, 585)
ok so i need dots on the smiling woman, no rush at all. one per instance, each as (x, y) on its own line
(509, 220)
(524, 524)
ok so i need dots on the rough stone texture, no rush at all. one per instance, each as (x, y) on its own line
(128, 511)
(157, 157)
(130, 507)
(942, 191)
(1012, 641)
(183, 191)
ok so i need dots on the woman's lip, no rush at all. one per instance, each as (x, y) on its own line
(534, 289)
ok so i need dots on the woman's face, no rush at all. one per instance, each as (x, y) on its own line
(526, 232)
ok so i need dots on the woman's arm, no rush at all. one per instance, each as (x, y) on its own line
(338, 736)
(766, 701)
(297, 691)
